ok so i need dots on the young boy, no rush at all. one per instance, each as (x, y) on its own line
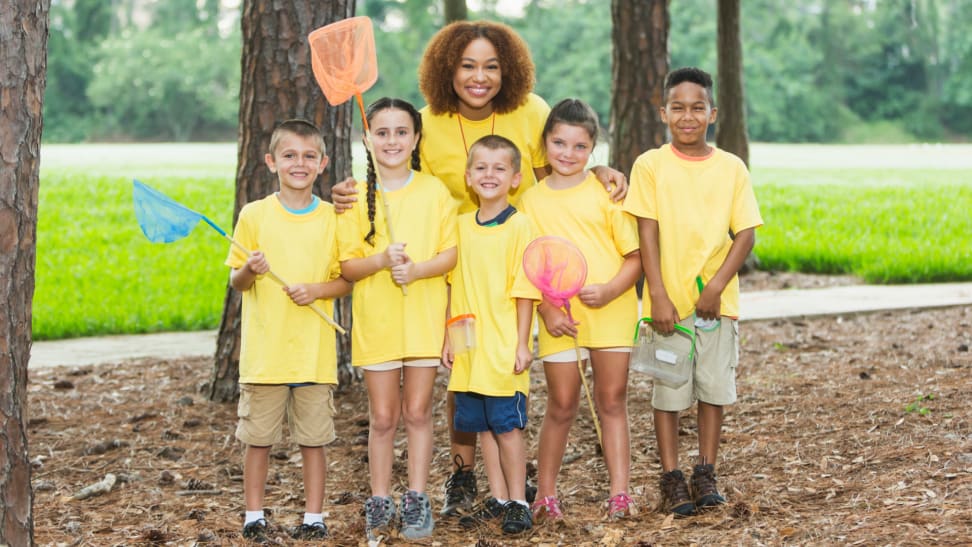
(288, 360)
(697, 216)
(491, 381)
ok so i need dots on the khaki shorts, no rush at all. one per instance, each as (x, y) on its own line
(399, 363)
(714, 373)
(570, 356)
(309, 411)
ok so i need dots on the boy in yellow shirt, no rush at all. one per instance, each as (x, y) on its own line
(491, 381)
(697, 216)
(288, 357)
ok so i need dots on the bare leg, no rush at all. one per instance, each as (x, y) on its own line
(666, 433)
(417, 414)
(512, 459)
(563, 399)
(710, 431)
(611, 397)
(494, 467)
(315, 474)
(462, 444)
(256, 461)
(385, 406)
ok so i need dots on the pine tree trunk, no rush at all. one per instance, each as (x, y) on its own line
(455, 10)
(638, 68)
(23, 41)
(277, 84)
(731, 125)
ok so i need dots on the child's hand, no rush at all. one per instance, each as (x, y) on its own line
(613, 180)
(257, 263)
(595, 296)
(343, 195)
(404, 273)
(663, 315)
(302, 294)
(447, 355)
(555, 320)
(524, 358)
(395, 255)
(709, 304)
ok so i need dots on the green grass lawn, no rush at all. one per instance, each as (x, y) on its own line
(837, 212)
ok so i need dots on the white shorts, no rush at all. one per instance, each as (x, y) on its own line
(570, 356)
(399, 363)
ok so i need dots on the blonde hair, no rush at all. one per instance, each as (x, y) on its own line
(301, 128)
(496, 142)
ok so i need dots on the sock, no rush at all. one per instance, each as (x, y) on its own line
(313, 518)
(523, 503)
(252, 516)
(501, 502)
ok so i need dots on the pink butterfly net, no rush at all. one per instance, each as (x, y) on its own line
(556, 267)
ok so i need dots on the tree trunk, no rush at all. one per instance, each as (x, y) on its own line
(278, 84)
(23, 41)
(455, 10)
(638, 69)
(731, 124)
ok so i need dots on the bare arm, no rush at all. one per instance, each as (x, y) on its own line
(613, 180)
(524, 330)
(710, 301)
(304, 294)
(439, 264)
(343, 195)
(601, 294)
(664, 314)
(242, 278)
(447, 354)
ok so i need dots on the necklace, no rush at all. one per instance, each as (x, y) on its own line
(492, 128)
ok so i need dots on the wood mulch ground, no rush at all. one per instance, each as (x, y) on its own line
(851, 430)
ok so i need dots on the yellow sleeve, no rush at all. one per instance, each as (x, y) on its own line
(521, 285)
(245, 235)
(745, 210)
(541, 112)
(624, 230)
(640, 200)
(449, 207)
(350, 238)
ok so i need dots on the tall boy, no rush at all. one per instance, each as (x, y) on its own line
(697, 216)
(288, 360)
(491, 381)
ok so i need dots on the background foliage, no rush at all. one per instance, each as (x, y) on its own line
(815, 70)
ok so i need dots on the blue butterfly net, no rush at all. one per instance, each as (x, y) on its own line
(162, 219)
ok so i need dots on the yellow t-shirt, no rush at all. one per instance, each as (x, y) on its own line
(696, 202)
(586, 216)
(281, 342)
(387, 324)
(486, 283)
(446, 139)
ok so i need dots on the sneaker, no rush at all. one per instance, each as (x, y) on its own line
(416, 515)
(531, 492)
(379, 517)
(488, 510)
(675, 494)
(548, 508)
(704, 490)
(460, 490)
(620, 506)
(256, 531)
(516, 518)
(305, 531)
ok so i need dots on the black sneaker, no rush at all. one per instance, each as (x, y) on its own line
(517, 518)
(704, 490)
(488, 510)
(460, 490)
(531, 493)
(305, 531)
(256, 531)
(675, 494)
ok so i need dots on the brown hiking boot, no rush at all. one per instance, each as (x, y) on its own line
(704, 490)
(675, 494)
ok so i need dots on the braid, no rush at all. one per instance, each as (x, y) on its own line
(416, 157)
(371, 182)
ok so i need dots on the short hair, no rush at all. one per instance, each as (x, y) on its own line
(299, 127)
(443, 56)
(689, 74)
(496, 142)
(572, 112)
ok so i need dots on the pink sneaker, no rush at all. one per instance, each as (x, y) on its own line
(621, 505)
(548, 507)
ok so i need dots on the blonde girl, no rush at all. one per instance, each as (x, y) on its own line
(396, 337)
(571, 203)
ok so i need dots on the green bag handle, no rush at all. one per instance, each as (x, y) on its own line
(686, 330)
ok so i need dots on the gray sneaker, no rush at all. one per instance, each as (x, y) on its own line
(416, 515)
(379, 517)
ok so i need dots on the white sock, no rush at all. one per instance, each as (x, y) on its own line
(313, 518)
(252, 516)
(501, 502)
(523, 503)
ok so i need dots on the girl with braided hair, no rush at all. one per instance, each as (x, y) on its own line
(397, 338)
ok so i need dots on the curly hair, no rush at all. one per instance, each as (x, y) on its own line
(444, 53)
(689, 74)
(388, 103)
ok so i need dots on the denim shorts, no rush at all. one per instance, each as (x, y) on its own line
(476, 413)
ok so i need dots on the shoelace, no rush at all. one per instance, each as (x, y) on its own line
(620, 503)
(550, 506)
(376, 513)
(411, 510)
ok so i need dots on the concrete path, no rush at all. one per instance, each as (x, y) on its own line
(756, 305)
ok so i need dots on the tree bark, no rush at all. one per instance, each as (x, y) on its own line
(278, 84)
(23, 48)
(639, 65)
(455, 10)
(730, 132)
